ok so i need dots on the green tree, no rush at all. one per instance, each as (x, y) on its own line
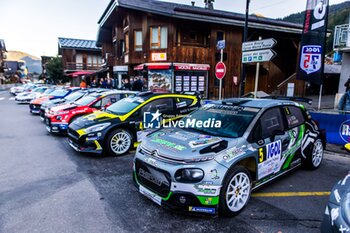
(54, 69)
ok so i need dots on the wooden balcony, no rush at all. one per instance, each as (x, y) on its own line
(72, 66)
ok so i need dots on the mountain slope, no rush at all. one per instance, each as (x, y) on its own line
(338, 14)
(33, 63)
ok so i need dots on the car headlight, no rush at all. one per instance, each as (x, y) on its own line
(189, 175)
(345, 208)
(96, 128)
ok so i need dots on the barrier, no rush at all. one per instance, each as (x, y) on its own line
(337, 126)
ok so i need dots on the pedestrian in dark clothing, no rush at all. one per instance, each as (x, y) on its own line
(126, 84)
(109, 83)
(347, 85)
(103, 83)
(94, 84)
(137, 85)
(344, 102)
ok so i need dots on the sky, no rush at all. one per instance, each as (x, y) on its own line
(33, 26)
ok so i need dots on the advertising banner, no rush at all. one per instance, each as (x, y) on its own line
(312, 49)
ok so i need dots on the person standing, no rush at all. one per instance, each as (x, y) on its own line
(347, 85)
(83, 84)
(137, 85)
(103, 83)
(126, 84)
(344, 102)
(94, 84)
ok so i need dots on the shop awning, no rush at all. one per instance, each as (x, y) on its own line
(153, 66)
(79, 73)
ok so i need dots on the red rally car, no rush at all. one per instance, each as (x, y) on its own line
(59, 117)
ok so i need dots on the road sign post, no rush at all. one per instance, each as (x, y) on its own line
(256, 52)
(220, 71)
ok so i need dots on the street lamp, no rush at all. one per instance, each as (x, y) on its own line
(245, 35)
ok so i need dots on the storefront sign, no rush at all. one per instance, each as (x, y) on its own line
(159, 56)
(120, 68)
(184, 66)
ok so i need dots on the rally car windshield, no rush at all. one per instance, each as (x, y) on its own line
(74, 96)
(234, 120)
(60, 92)
(125, 105)
(85, 101)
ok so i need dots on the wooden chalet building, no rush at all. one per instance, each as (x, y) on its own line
(79, 57)
(2, 60)
(173, 46)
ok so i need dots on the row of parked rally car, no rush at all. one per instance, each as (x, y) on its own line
(200, 159)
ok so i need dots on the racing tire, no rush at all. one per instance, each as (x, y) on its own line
(315, 156)
(235, 192)
(119, 142)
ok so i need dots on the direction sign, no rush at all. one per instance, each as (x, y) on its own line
(258, 56)
(220, 70)
(258, 44)
(221, 44)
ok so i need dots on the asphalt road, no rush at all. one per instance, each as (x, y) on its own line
(45, 186)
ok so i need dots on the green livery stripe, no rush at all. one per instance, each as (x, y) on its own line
(205, 200)
(291, 156)
(163, 198)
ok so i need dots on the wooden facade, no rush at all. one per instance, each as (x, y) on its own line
(193, 41)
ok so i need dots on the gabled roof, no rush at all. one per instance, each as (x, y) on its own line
(196, 13)
(77, 44)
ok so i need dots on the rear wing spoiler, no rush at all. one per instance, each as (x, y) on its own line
(196, 93)
(296, 99)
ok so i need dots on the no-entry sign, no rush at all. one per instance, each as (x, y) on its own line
(220, 70)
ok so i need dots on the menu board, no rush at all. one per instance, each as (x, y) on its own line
(190, 83)
(186, 83)
(178, 83)
(201, 83)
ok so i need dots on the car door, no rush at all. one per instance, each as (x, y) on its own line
(271, 140)
(164, 106)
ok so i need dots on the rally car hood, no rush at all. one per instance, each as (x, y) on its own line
(65, 107)
(180, 144)
(54, 102)
(40, 100)
(93, 118)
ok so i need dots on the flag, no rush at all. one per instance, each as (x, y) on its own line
(312, 49)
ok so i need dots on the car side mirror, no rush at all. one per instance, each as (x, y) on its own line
(275, 133)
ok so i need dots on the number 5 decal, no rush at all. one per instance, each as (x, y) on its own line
(261, 155)
(306, 61)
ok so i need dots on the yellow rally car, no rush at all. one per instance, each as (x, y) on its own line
(122, 125)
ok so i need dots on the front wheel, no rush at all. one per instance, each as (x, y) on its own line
(314, 159)
(119, 142)
(235, 192)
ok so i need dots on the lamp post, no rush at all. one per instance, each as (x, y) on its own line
(245, 35)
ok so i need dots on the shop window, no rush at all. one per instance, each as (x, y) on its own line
(138, 40)
(198, 38)
(220, 36)
(159, 37)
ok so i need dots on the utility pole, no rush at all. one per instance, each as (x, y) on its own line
(245, 36)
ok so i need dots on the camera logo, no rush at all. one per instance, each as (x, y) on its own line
(152, 120)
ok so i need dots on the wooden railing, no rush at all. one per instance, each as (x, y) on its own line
(81, 66)
(281, 88)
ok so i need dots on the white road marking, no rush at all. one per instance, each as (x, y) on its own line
(12, 98)
(2, 98)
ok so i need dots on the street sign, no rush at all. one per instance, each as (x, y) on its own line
(221, 44)
(258, 56)
(259, 44)
(220, 70)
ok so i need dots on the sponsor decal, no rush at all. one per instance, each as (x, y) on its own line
(181, 104)
(203, 141)
(309, 138)
(169, 145)
(334, 214)
(214, 174)
(201, 209)
(205, 188)
(151, 161)
(182, 136)
(154, 197)
(295, 163)
(337, 196)
(311, 58)
(233, 153)
(269, 159)
(344, 131)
